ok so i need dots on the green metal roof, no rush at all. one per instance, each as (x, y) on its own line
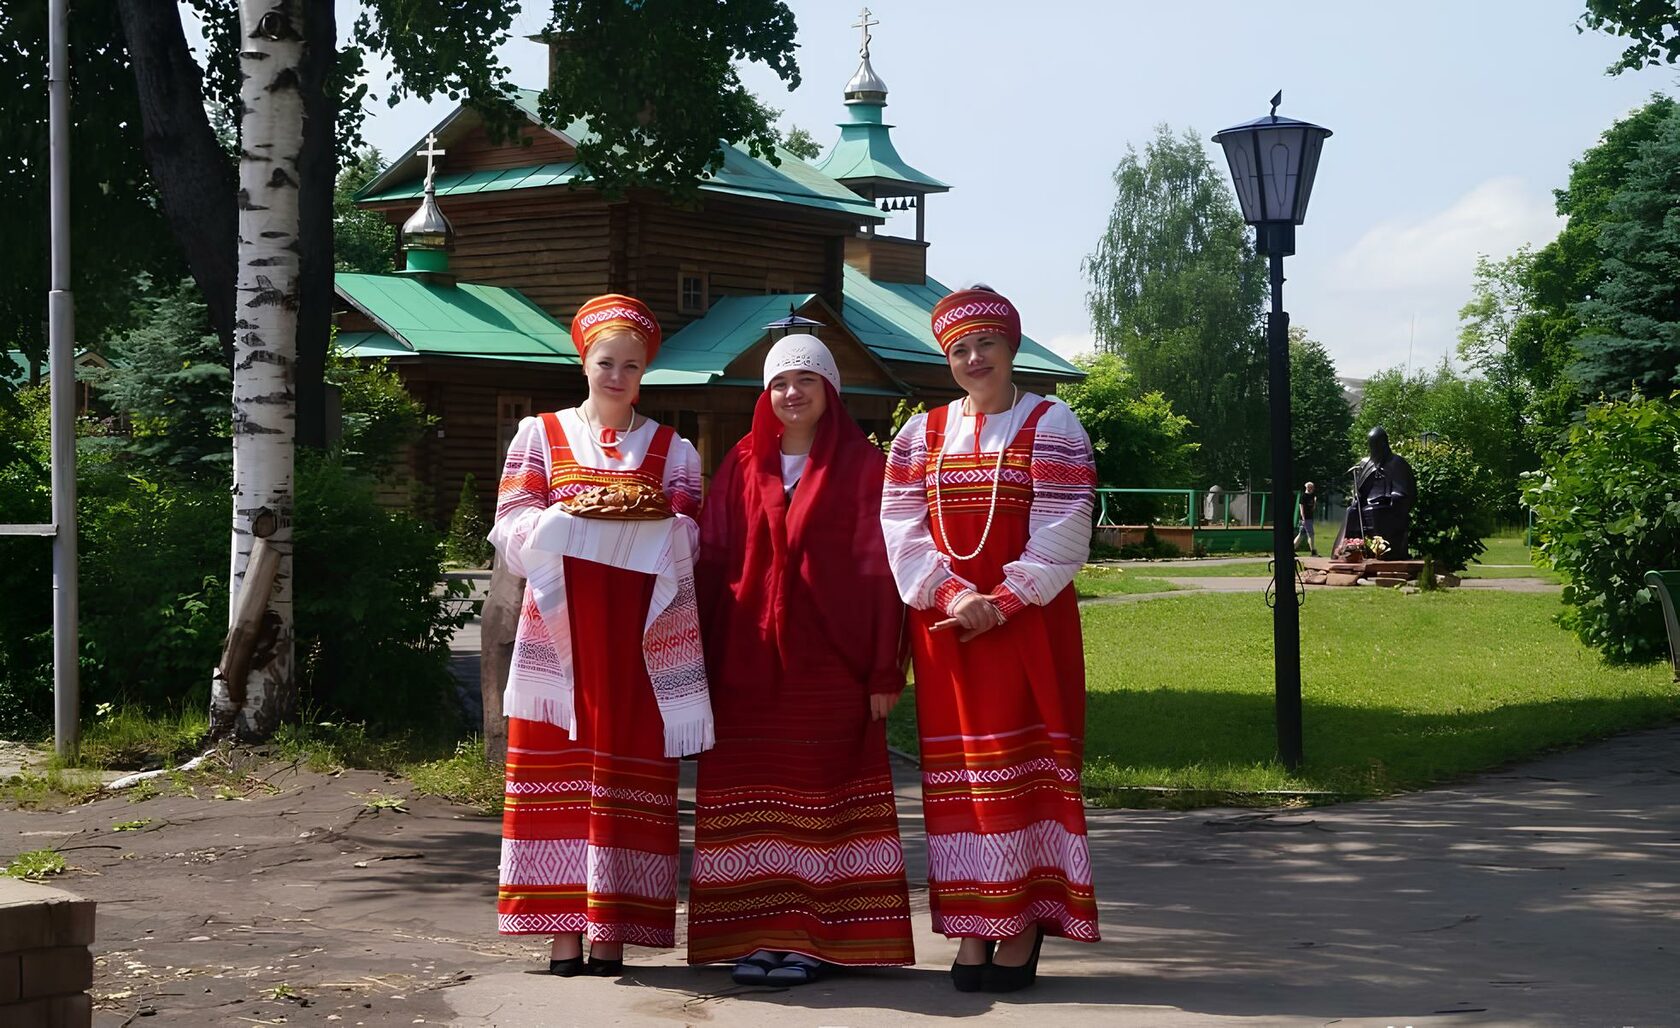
(794, 182)
(865, 152)
(370, 344)
(892, 319)
(699, 351)
(466, 320)
(461, 184)
(14, 368)
(895, 320)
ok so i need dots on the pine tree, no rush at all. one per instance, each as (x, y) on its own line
(1638, 305)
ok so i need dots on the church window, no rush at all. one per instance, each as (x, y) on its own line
(691, 291)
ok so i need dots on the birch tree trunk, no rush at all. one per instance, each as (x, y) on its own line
(265, 344)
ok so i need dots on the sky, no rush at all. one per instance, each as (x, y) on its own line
(1453, 122)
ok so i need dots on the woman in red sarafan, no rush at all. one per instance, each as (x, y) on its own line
(608, 684)
(987, 515)
(797, 862)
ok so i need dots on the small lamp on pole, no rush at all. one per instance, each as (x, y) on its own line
(783, 327)
(1273, 162)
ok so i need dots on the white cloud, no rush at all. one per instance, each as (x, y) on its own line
(1392, 297)
(1075, 344)
(1494, 218)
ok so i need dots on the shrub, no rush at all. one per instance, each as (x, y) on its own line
(154, 559)
(152, 605)
(1455, 504)
(1152, 547)
(154, 535)
(1607, 509)
(25, 566)
(380, 417)
(467, 545)
(1136, 438)
(372, 633)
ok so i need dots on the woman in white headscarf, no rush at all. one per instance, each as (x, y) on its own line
(797, 862)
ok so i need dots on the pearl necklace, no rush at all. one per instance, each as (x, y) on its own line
(997, 480)
(594, 433)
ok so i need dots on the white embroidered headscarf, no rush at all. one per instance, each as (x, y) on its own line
(801, 352)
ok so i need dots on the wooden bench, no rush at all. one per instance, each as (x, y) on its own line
(1666, 584)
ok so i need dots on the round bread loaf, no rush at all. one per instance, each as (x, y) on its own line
(628, 501)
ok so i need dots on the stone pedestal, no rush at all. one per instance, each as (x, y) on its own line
(45, 966)
(1379, 572)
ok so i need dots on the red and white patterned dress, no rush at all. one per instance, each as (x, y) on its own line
(1002, 717)
(589, 830)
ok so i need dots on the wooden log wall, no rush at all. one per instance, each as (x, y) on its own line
(476, 151)
(742, 251)
(888, 258)
(466, 396)
(552, 244)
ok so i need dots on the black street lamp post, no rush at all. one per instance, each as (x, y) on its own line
(1273, 161)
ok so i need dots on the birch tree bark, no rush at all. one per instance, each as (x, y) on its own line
(265, 346)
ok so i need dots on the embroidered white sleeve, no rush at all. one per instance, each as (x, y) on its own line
(1064, 480)
(523, 493)
(918, 568)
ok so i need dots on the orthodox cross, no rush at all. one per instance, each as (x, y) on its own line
(865, 24)
(428, 153)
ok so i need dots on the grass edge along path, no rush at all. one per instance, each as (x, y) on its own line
(1098, 580)
(1399, 692)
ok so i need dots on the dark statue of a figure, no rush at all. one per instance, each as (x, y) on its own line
(1384, 491)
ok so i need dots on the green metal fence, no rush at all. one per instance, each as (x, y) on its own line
(1222, 517)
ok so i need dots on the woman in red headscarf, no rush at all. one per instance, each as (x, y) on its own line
(987, 514)
(797, 862)
(608, 684)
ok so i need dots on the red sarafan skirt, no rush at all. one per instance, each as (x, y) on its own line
(1002, 723)
(796, 843)
(589, 830)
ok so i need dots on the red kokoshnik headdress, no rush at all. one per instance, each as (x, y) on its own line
(971, 311)
(615, 311)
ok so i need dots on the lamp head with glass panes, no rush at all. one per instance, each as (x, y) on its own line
(1273, 160)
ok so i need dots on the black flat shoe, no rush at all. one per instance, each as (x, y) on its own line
(606, 968)
(970, 977)
(1003, 978)
(568, 968)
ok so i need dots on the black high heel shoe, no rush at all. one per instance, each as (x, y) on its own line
(970, 977)
(571, 967)
(1003, 978)
(605, 968)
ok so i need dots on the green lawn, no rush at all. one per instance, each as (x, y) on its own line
(1247, 569)
(1106, 581)
(1508, 548)
(1399, 691)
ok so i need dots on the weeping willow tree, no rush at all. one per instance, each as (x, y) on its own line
(1176, 290)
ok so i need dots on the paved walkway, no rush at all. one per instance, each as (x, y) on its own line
(1543, 895)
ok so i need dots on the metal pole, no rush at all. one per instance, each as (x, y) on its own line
(61, 336)
(1286, 616)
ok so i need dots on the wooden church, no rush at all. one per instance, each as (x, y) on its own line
(508, 240)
